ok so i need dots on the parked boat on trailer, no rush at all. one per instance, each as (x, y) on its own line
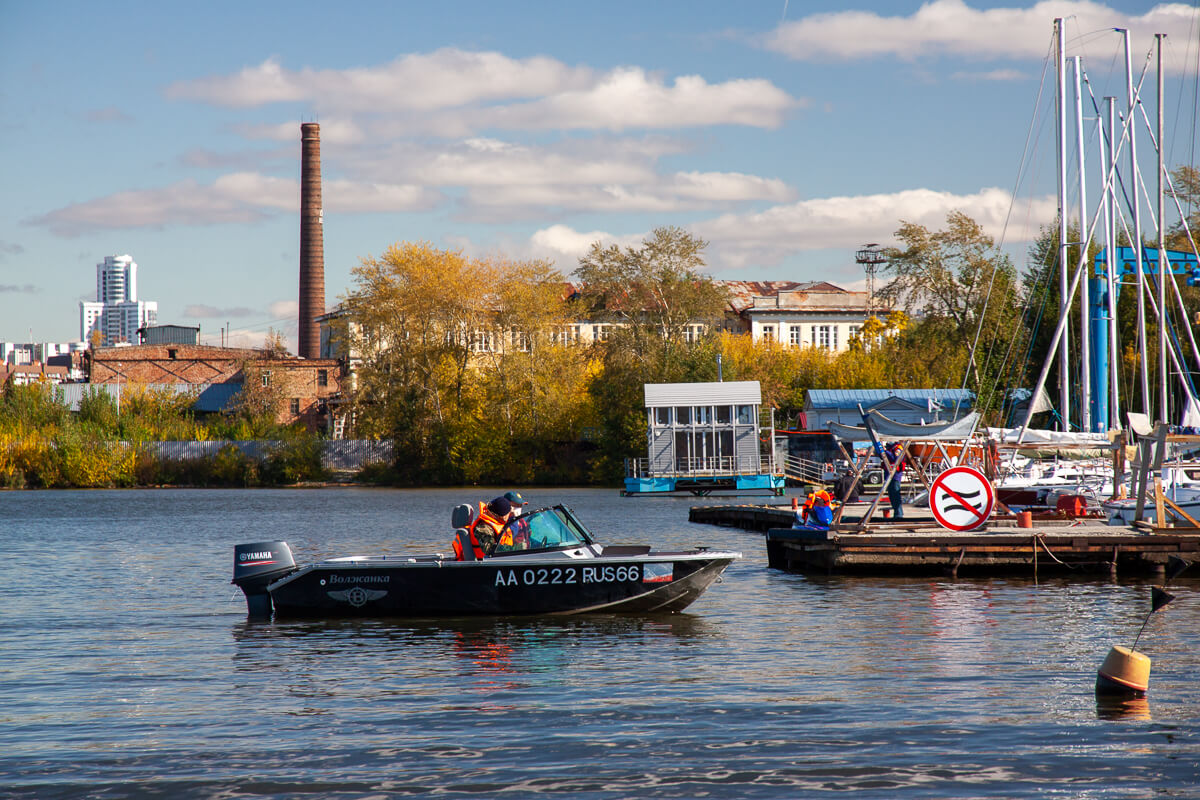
(552, 565)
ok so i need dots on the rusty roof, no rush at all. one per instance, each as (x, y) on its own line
(742, 293)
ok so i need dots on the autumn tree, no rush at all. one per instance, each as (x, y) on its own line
(1186, 180)
(652, 293)
(962, 293)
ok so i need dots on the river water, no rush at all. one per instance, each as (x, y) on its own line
(128, 669)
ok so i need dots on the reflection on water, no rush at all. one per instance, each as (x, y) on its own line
(1117, 708)
(130, 671)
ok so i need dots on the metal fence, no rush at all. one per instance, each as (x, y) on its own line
(336, 454)
(716, 465)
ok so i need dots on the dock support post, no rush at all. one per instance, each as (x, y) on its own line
(1035, 544)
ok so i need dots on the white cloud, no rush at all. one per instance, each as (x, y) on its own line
(769, 236)
(564, 245)
(990, 75)
(951, 27)
(421, 81)
(455, 93)
(239, 197)
(630, 98)
(285, 309)
(334, 131)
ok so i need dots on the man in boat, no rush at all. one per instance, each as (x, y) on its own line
(516, 501)
(492, 519)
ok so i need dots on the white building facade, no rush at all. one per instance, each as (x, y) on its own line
(813, 314)
(116, 314)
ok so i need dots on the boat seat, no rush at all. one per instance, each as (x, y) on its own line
(463, 537)
(462, 516)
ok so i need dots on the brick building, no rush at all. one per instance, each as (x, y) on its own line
(303, 388)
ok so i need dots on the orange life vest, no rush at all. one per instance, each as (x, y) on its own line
(494, 526)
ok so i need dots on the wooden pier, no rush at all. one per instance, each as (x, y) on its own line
(917, 546)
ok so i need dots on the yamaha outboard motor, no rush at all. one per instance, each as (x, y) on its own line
(257, 565)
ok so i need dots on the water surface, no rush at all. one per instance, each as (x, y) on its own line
(130, 670)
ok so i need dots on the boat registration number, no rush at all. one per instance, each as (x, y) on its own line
(549, 576)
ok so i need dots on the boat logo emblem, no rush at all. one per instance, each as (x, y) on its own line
(357, 596)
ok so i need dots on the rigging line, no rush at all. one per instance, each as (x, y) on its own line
(1192, 39)
(1170, 187)
(1008, 216)
(1040, 289)
(1174, 196)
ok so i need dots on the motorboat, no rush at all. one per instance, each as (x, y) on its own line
(544, 562)
(1124, 512)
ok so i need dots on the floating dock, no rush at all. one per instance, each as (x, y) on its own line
(917, 546)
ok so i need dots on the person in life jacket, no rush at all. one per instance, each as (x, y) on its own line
(820, 515)
(817, 511)
(486, 528)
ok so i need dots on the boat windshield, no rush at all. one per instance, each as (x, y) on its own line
(544, 529)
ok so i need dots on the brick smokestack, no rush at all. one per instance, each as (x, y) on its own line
(312, 242)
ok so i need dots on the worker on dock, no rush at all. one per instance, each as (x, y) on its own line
(891, 456)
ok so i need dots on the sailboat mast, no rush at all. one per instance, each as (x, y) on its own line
(1110, 224)
(1085, 350)
(1135, 183)
(1064, 381)
(1162, 251)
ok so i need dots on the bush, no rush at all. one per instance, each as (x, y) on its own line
(295, 460)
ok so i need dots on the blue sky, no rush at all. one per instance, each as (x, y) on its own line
(785, 134)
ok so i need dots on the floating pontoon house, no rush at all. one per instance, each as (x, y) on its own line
(703, 437)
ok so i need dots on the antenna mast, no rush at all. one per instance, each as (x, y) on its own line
(870, 257)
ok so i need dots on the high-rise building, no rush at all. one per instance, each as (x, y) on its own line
(116, 313)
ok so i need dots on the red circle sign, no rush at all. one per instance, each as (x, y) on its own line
(961, 499)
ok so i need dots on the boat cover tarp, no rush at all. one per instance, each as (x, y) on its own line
(1035, 437)
(887, 430)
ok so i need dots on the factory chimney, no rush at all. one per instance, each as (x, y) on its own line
(312, 242)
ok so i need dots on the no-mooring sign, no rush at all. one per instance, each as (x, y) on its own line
(962, 499)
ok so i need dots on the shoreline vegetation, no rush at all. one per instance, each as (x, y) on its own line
(469, 368)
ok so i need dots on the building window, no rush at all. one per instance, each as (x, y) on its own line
(662, 417)
(683, 415)
(703, 415)
(520, 340)
(855, 330)
(482, 342)
(266, 378)
(825, 336)
(295, 406)
(794, 336)
(172, 353)
(600, 333)
(745, 415)
(724, 414)
(768, 333)
(322, 377)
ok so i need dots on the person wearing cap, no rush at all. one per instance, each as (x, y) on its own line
(516, 501)
(893, 455)
(491, 521)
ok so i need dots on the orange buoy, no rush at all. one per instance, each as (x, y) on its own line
(1124, 671)
(1024, 519)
